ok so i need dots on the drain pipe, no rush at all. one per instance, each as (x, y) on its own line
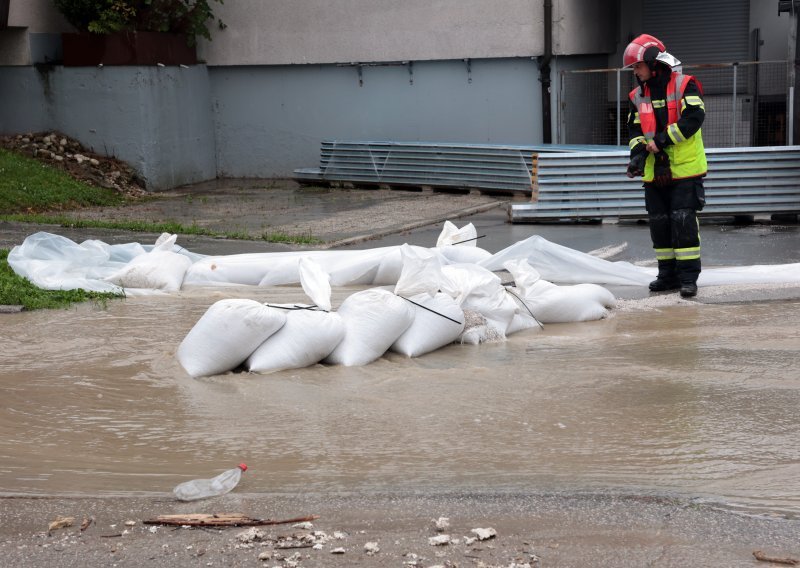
(544, 72)
(4, 7)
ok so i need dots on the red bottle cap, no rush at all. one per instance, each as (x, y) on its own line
(243, 466)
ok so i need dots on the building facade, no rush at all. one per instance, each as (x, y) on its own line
(283, 76)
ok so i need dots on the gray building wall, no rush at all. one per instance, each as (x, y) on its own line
(271, 120)
(277, 32)
(157, 119)
(585, 28)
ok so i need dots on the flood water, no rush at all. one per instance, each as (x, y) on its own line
(699, 401)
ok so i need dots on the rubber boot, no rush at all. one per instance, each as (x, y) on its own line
(688, 290)
(688, 272)
(667, 278)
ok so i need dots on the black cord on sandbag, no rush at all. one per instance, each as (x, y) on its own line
(430, 310)
(468, 240)
(526, 306)
(312, 307)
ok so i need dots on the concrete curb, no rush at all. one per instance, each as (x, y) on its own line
(410, 226)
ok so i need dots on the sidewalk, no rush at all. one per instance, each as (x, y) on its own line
(333, 217)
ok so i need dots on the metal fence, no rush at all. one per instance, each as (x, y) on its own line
(747, 104)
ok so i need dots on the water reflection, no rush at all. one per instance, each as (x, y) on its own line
(694, 400)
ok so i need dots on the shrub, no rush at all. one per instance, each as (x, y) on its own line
(188, 17)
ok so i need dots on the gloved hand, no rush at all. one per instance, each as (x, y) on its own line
(663, 173)
(636, 165)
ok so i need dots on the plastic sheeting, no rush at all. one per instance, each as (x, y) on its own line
(55, 262)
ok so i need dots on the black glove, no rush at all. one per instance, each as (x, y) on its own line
(663, 173)
(636, 165)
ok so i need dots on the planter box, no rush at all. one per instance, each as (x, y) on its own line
(127, 48)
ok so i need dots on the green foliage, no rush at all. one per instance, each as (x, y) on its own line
(293, 239)
(18, 291)
(188, 17)
(150, 227)
(27, 185)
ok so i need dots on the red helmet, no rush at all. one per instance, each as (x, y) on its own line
(643, 48)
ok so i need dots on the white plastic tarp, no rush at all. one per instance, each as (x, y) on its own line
(55, 262)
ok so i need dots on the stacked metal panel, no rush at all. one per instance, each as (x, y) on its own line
(564, 182)
(740, 181)
(485, 167)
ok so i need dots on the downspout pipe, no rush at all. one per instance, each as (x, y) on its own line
(544, 72)
(4, 7)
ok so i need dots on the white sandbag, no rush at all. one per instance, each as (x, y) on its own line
(451, 234)
(316, 283)
(421, 273)
(556, 304)
(307, 337)
(456, 254)
(523, 319)
(562, 304)
(477, 330)
(460, 245)
(373, 320)
(529, 284)
(438, 320)
(225, 336)
(476, 289)
(526, 278)
(159, 269)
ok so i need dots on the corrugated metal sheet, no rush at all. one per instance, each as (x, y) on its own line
(565, 182)
(741, 181)
(488, 167)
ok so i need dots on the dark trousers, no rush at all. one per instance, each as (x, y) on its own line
(674, 229)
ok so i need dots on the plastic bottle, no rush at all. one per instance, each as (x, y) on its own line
(204, 488)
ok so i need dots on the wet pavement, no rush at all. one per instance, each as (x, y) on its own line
(663, 435)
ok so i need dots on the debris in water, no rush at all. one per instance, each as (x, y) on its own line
(484, 534)
(60, 523)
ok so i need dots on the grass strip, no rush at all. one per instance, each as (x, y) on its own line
(151, 227)
(18, 291)
(27, 185)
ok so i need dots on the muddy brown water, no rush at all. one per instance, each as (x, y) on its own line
(698, 401)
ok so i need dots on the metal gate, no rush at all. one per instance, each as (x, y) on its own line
(747, 104)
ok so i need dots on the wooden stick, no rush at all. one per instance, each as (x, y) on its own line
(764, 558)
(222, 520)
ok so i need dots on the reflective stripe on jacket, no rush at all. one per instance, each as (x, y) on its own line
(687, 156)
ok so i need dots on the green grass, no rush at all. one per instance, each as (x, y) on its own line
(134, 226)
(294, 239)
(27, 185)
(18, 291)
(149, 227)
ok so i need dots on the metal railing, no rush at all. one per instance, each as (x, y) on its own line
(747, 104)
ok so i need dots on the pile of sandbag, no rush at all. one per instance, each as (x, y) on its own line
(431, 305)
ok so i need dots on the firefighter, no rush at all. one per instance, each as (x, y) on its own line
(666, 112)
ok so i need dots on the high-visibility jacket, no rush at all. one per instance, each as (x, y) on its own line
(687, 156)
